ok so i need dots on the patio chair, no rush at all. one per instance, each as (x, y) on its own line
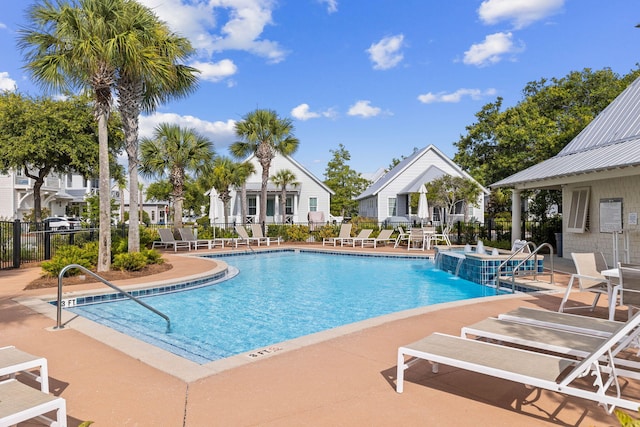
(256, 231)
(167, 240)
(443, 237)
(19, 402)
(402, 235)
(345, 233)
(13, 361)
(416, 239)
(364, 234)
(187, 235)
(588, 268)
(384, 237)
(244, 237)
(629, 287)
(537, 369)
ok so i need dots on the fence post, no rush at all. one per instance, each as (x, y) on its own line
(17, 243)
(47, 241)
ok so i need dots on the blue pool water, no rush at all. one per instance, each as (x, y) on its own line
(280, 296)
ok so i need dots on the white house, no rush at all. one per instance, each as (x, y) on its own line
(311, 195)
(390, 197)
(599, 175)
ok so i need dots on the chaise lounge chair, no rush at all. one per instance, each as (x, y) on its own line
(167, 240)
(187, 235)
(364, 234)
(244, 237)
(531, 368)
(13, 361)
(345, 233)
(256, 231)
(19, 402)
(383, 237)
(402, 235)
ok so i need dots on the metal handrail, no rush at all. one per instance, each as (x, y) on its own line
(533, 254)
(513, 254)
(106, 282)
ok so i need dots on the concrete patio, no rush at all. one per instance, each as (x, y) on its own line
(345, 377)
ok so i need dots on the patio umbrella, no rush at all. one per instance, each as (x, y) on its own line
(423, 206)
(213, 209)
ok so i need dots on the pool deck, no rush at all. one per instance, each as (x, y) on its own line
(346, 377)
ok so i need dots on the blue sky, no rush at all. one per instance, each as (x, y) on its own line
(380, 77)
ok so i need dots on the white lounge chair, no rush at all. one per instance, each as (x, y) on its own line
(384, 237)
(244, 237)
(13, 361)
(256, 231)
(19, 402)
(443, 237)
(417, 239)
(364, 234)
(548, 339)
(588, 268)
(187, 235)
(345, 233)
(167, 240)
(402, 235)
(531, 368)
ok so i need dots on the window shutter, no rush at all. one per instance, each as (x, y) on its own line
(578, 211)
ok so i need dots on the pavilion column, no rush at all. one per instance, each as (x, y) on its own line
(516, 219)
(295, 207)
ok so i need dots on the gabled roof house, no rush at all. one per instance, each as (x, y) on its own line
(599, 175)
(310, 195)
(390, 197)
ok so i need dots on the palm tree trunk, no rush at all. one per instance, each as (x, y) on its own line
(104, 239)
(283, 204)
(263, 195)
(243, 202)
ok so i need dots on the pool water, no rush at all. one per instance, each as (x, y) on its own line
(280, 296)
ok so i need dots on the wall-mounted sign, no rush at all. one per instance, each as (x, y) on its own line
(611, 215)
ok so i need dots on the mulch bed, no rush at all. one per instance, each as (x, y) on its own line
(50, 282)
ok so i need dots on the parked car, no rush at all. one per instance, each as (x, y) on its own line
(57, 223)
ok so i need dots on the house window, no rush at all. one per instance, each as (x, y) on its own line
(252, 205)
(578, 210)
(313, 204)
(392, 206)
(288, 210)
(153, 216)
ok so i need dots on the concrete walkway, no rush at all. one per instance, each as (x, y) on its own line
(346, 379)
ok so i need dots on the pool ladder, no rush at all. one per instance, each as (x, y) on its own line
(521, 270)
(106, 282)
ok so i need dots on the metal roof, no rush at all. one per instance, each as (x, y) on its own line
(610, 141)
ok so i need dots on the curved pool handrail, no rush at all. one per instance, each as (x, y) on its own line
(106, 282)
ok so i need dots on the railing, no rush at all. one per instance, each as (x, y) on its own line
(106, 282)
(516, 270)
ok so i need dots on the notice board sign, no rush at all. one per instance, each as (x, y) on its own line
(611, 215)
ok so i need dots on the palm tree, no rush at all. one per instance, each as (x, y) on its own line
(225, 174)
(173, 151)
(80, 45)
(264, 134)
(245, 170)
(149, 77)
(282, 178)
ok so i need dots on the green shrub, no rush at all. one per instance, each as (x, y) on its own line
(147, 236)
(134, 261)
(153, 256)
(91, 250)
(327, 231)
(66, 255)
(119, 245)
(297, 233)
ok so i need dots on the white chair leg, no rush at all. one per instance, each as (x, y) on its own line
(566, 294)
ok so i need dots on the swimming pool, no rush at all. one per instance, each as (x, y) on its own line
(279, 296)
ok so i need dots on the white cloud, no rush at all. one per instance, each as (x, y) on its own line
(386, 53)
(364, 109)
(491, 50)
(3, 26)
(222, 134)
(454, 97)
(246, 22)
(303, 112)
(215, 71)
(6, 82)
(332, 5)
(520, 12)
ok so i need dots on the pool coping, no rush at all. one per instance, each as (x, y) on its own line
(190, 371)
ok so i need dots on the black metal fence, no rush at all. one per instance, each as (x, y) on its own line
(23, 243)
